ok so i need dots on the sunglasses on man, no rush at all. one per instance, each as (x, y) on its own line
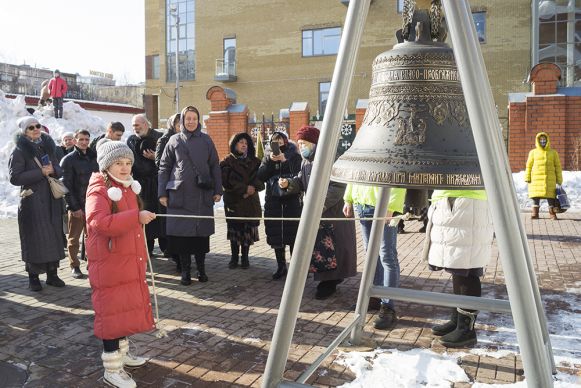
(32, 127)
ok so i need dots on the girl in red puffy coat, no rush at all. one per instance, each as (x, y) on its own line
(117, 259)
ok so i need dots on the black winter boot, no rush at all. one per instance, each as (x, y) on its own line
(281, 264)
(52, 279)
(201, 264)
(235, 248)
(447, 327)
(177, 261)
(464, 335)
(186, 267)
(245, 263)
(34, 282)
(385, 319)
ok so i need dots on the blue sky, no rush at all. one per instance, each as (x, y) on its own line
(75, 36)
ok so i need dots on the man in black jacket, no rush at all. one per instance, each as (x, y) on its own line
(77, 165)
(115, 131)
(143, 143)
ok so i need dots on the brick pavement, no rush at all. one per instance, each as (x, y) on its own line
(220, 331)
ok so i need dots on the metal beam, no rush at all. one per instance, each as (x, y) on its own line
(315, 197)
(439, 299)
(504, 206)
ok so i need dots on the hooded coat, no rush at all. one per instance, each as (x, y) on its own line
(345, 242)
(543, 171)
(289, 205)
(117, 254)
(40, 220)
(177, 182)
(237, 174)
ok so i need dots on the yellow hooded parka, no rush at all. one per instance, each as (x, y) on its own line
(543, 171)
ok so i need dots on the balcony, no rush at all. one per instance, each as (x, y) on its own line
(225, 71)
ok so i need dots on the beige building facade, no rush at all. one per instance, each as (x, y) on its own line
(281, 50)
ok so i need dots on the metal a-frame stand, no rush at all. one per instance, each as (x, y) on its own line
(522, 287)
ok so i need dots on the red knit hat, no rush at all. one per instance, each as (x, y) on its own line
(308, 133)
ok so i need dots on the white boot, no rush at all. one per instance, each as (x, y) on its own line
(129, 360)
(114, 375)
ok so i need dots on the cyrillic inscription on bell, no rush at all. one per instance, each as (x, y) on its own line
(415, 132)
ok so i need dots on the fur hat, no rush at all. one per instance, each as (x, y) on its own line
(108, 151)
(308, 133)
(25, 122)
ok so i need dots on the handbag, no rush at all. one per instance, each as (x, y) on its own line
(323, 258)
(562, 200)
(57, 187)
(203, 181)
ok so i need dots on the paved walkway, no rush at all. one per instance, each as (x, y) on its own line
(220, 331)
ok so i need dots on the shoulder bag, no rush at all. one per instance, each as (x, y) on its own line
(57, 187)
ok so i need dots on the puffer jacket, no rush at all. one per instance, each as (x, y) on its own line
(117, 261)
(460, 234)
(543, 171)
(57, 87)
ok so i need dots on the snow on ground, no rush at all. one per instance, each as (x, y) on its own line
(391, 368)
(496, 338)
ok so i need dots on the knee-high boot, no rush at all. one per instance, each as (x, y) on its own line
(235, 254)
(201, 264)
(244, 264)
(281, 264)
(186, 264)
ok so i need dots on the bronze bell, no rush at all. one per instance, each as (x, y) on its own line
(416, 131)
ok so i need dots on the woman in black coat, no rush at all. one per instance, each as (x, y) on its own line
(173, 127)
(40, 219)
(279, 203)
(241, 187)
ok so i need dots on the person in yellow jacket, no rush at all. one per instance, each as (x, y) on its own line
(364, 199)
(543, 173)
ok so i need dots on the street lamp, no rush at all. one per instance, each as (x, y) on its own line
(173, 10)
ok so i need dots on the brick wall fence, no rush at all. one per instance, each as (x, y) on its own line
(228, 118)
(550, 109)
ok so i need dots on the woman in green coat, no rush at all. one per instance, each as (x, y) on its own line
(543, 173)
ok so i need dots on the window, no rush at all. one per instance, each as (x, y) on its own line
(324, 88)
(186, 44)
(155, 67)
(152, 67)
(323, 41)
(400, 6)
(555, 44)
(230, 56)
(480, 23)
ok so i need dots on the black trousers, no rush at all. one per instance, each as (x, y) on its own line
(111, 345)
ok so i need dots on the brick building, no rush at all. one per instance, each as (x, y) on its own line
(548, 108)
(273, 53)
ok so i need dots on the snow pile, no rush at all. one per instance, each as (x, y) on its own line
(74, 117)
(386, 368)
(392, 368)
